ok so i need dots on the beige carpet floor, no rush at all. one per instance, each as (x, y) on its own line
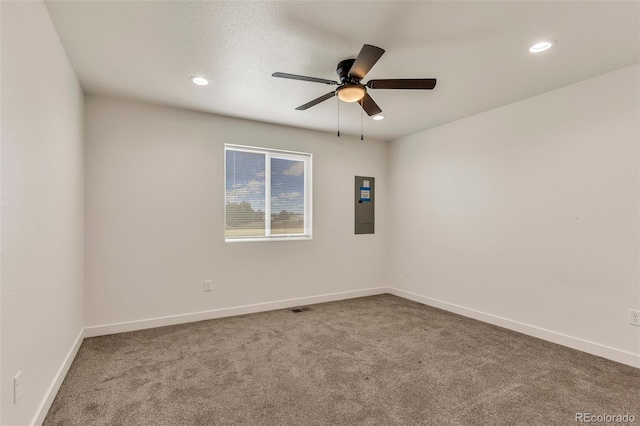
(378, 360)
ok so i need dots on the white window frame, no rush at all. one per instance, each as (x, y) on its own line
(269, 153)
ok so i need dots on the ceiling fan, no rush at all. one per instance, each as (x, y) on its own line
(350, 88)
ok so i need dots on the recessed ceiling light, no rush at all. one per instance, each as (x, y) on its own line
(378, 117)
(542, 46)
(200, 81)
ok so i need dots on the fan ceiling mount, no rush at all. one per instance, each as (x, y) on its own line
(350, 88)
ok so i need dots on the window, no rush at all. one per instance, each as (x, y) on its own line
(267, 194)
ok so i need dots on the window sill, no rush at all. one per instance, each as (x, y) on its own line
(253, 239)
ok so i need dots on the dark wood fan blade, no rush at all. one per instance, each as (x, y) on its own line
(316, 101)
(303, 78)
(366, 59)
(369, 106)
(406, 83)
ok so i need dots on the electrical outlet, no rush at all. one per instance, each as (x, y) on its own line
(17, 387)
(207, 285)
(407, 272)
(634, 317)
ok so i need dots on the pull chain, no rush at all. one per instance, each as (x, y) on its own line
(338, 116)
(362, 123)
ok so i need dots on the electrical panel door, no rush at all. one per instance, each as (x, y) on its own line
(365, 205)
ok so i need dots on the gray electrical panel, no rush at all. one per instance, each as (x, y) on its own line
(365, 204)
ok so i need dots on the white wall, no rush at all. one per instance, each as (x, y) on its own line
(528, 213)
(42, 209)
(155, 224)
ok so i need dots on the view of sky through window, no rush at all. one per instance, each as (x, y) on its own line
(245, 178)
(287, 186)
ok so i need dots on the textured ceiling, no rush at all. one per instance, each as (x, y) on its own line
(478, 51)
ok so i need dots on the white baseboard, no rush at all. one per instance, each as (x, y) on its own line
(45, 405)
(593, 348)
(102, 330)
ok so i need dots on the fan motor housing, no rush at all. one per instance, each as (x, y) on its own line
(343, 70)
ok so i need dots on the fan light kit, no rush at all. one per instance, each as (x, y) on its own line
(350, 88)
(378, 117)
(351, 93)
(542, 46)
(200, 81)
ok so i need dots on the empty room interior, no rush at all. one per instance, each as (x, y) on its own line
(277, 213)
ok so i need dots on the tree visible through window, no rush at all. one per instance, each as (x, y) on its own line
(267, 194)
